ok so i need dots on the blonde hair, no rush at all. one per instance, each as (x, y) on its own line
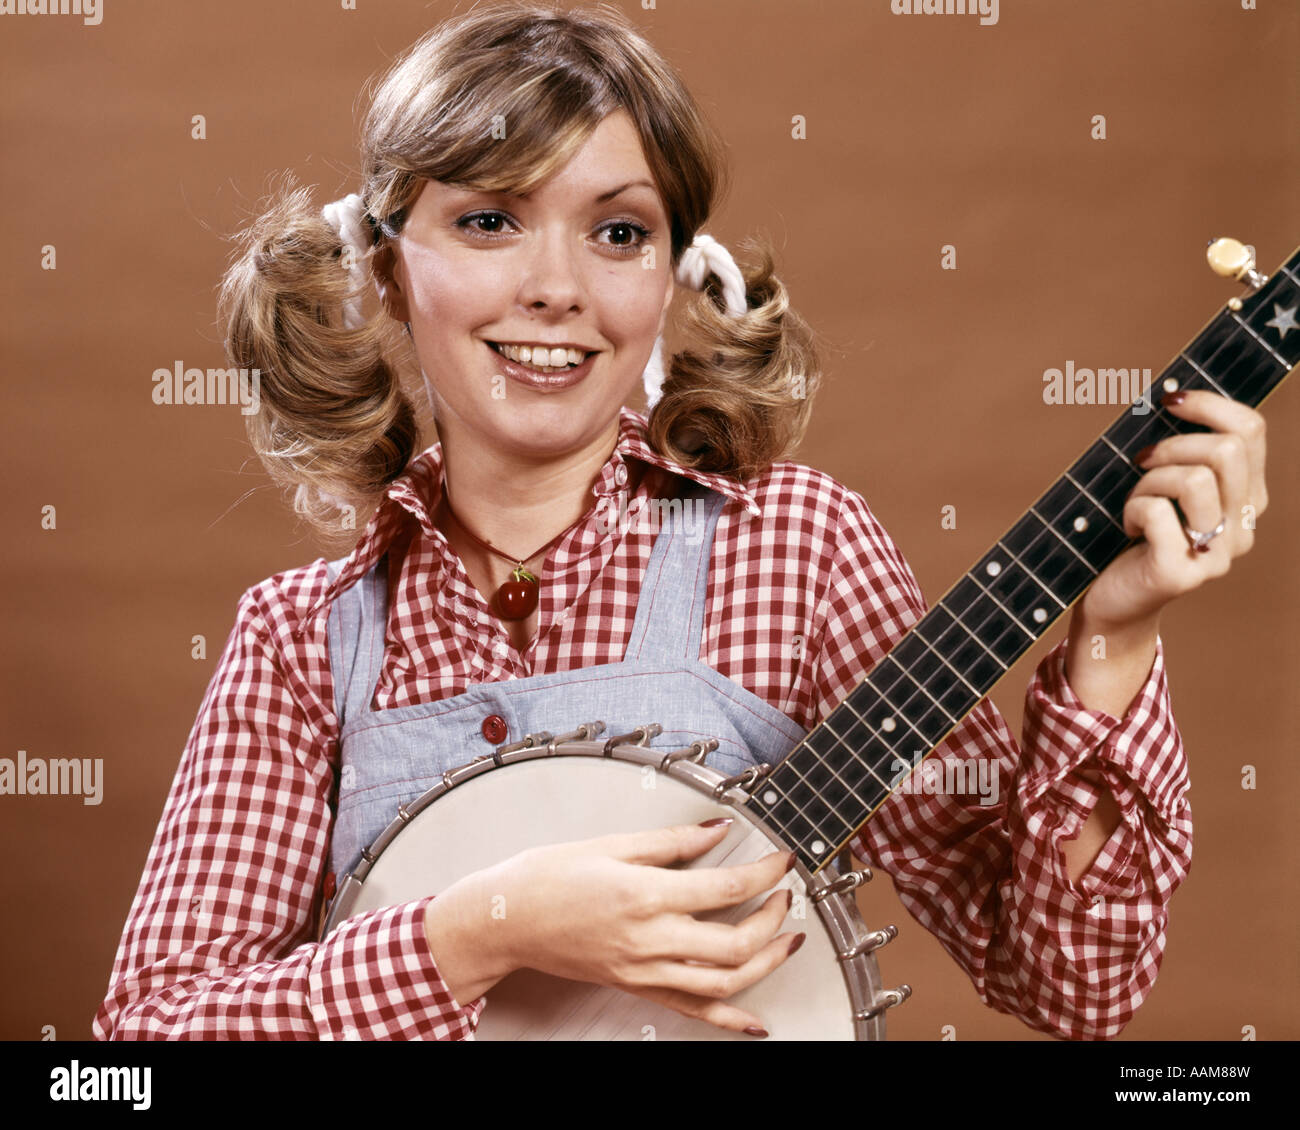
(335, 421)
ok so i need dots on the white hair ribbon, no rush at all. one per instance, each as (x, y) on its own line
(705, 257)
(347, 218)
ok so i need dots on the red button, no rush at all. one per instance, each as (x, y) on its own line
(494, 729)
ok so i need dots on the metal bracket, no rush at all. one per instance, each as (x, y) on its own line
(870, 943)
(890, 998)
(696, 751)
(744, 781)
(640, 736)
(849, 881)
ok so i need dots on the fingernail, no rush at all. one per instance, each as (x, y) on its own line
(1143, 455)
(754, 1030)
(789, 898)
(1173, 398)
(716, 821)
(796, 943)
(790, 866)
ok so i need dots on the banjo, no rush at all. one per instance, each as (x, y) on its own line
(583, 783)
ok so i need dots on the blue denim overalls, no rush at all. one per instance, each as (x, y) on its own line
(392, 756)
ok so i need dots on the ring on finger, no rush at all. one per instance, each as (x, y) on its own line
(1200, 542)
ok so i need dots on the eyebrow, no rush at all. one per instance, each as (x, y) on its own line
(613, 192)
(601, 199)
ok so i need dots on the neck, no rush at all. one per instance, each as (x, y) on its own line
(518, 502)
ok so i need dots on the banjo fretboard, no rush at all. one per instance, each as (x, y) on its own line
(831, 783)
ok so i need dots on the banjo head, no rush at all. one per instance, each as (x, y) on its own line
(494, 807)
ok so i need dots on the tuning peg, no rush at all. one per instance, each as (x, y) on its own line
(1232, 259)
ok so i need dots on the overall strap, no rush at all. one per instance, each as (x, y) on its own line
(670, 607)
(356, 639)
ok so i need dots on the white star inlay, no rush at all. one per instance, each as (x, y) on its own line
(1284, 320)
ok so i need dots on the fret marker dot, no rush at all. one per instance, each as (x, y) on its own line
(1171, 384)
(1040, 614)
(769, 797)
(817, 847)
(993, 568)
(888, 725)
(1081, 524)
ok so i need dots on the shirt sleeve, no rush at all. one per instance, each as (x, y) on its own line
(972, 839)
(218, 944)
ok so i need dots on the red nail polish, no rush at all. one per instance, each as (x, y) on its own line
(1173, 399)
(798, 941)
(1143, 455)
(716, 821)
(754, 1030)
(790, 866)
(789, 898)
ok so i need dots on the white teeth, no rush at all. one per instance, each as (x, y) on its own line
(541, 359)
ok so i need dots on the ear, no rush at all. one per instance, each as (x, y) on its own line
(390, 282)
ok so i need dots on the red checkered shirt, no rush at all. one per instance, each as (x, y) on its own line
(806, 592)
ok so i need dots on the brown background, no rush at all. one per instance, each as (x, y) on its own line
(922, 131)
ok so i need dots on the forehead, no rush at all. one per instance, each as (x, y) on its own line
(610, 158)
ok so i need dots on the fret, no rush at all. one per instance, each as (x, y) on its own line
(914, 654)
(1063, 541)
(1031, 574)
(1079, 520)
(828, 728)
(930, 721)
(825, 820)
(1136, 430)
(919, 686)
(784, 813)
(861, 771)
(1018, 591)
(1008, 613)
(1110, 482)
(1204, 375)
(964, 650)
(885, 723)
(1117, 451)
(1246, 326)
(1105, 511)
(1241, 366)
(822, 774)
(1280, 295)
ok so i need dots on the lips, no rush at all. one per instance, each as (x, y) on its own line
(537, 380)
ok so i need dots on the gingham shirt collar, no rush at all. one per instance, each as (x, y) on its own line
(415, 495)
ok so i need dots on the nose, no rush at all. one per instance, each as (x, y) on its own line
(552, 281)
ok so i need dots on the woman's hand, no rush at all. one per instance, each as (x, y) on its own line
(1215, 476)
(612, 912)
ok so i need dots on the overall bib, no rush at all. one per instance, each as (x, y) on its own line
(393, 756)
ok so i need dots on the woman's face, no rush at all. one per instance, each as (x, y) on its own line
(567, 265)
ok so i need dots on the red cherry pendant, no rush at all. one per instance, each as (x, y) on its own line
(517, 598)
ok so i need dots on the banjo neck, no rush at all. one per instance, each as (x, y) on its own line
(842, 771)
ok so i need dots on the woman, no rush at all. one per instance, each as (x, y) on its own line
(534, 182)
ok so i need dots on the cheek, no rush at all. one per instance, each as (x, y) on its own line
(629, 303)
(451, 294)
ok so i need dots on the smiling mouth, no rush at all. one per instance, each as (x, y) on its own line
(544, 369)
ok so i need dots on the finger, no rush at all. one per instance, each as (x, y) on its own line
(661, 847)
(715, 1012)
(1196, 489)
(707, 888)
(683, 938)
(717, 981)
(1228, 457)
(1175, 571)
(1224, 415)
